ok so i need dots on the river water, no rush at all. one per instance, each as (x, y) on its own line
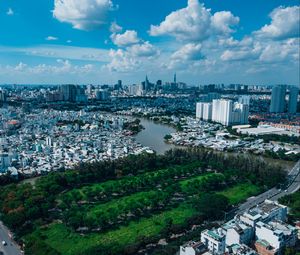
(153, 136)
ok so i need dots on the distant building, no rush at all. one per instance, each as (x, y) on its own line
(244, 100)
(48, 141)
(204, 111)
(209, 88)
(120, 84)
(54, 96)
(223, 111)
(240, 114)
(212, 95)
(293, 99)
(132, 89)
(102, 95)
(72, 93)
(3, 96)
(4, 161)
(80, 96)
(68, 92)
(278, 99)
(228, 113)
(159, 83)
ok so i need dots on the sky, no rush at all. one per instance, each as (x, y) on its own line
(102, 41)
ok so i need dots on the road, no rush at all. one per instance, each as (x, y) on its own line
(11, 248)
(274, 194)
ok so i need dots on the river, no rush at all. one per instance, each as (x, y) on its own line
(153, 136)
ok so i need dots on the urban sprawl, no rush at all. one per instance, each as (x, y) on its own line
(55, 128)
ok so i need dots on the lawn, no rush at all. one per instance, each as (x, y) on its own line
(128, 203)
(146, 227)
(240, 192)
(198, 178)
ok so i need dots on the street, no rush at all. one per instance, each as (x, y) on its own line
(11, 248)
(274, 194)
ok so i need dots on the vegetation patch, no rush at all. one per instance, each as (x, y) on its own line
(240, 192)
(118, 207)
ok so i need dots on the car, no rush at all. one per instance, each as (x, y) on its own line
(4, 243)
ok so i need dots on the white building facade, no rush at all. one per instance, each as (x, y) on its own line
(214, 240)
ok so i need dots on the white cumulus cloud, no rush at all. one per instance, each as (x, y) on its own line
(190, 51)
(145, 49)
(195, 23)
(129, 37)
(83, 14)
(115, 28)
(223, 22)
(121, 61)
(285, 23)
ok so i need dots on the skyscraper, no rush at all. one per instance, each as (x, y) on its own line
(68, 92)
(293, 99)
(278, 99)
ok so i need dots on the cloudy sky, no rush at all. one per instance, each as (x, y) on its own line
(101, 41)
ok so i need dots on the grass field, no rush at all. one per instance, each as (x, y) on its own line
(120, 238)
(240, 192)
(186, 182)
(123, 204)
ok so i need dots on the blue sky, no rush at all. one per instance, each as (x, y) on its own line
(101, 41)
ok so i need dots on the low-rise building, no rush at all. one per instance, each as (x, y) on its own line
(264, 248)
(192, 248)
(265, 212)
(214, 240)
(238, 232)
(277, 234)
(238, 249)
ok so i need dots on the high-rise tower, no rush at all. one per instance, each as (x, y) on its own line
(293, 100)
(278, 99)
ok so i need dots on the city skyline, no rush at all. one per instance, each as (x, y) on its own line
(96, 42)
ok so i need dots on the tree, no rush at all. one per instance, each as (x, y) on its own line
(212, 206)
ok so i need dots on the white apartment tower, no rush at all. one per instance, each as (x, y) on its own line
(223, 111)
(204, 111)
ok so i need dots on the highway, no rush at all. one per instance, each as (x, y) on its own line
(293, 180)
(11, 248)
